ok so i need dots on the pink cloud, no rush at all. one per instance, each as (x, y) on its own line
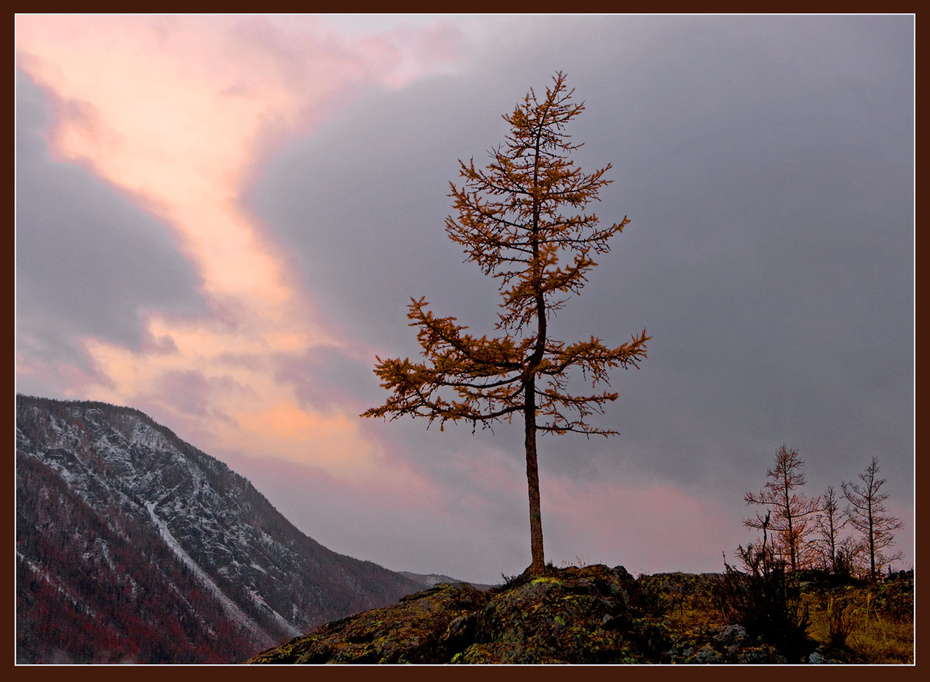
(647, 527)
(177, 112)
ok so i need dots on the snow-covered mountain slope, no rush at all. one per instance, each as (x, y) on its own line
(134, 545)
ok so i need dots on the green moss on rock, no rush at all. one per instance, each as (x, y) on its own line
(573, 615)
(592, 614)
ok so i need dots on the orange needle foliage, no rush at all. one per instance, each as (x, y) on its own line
(523, 220)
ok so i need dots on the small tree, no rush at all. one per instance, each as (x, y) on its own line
(523, 221)
(867, 514)
(830, 522)
(791, 512)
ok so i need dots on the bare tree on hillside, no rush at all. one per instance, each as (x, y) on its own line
(867, 514)
(830, 521)
(791, 514)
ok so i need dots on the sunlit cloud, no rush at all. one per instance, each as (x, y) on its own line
(287, 429)
(178, 113)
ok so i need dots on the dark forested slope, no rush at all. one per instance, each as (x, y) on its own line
(131, 544)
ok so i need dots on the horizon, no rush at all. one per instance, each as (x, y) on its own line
(220, 220)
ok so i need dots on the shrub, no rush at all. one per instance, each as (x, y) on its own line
(766, 601)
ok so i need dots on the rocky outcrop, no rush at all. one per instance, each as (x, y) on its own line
(578, 615)
(593, 614)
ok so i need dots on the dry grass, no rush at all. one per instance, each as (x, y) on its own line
(862, 625)
(852, 623)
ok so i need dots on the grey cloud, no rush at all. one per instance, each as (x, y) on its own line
(186, 391)
(88, 261)
(767, 166)
(765, 163)
(364, 200)
(324, 376)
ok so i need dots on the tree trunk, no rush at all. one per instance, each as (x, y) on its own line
(538, 564)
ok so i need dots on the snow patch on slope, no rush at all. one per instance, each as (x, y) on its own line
(237, 614)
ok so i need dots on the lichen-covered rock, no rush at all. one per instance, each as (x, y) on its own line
(573, 615)
(421, 628)
(593, 614)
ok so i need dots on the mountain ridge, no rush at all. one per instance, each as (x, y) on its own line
(106, 491)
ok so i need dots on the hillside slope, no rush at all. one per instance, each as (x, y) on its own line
(133, 545)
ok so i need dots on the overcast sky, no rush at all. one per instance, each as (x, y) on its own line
(221, 219)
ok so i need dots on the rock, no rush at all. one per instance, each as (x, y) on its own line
(416, 630)
(706, 655)
(733, 634)
(594, 614)
(574, 615)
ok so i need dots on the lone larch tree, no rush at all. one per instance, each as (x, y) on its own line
(523, 220)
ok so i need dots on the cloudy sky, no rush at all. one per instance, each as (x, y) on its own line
(221, 219)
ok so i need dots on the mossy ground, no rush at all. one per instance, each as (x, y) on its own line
(601, 615)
